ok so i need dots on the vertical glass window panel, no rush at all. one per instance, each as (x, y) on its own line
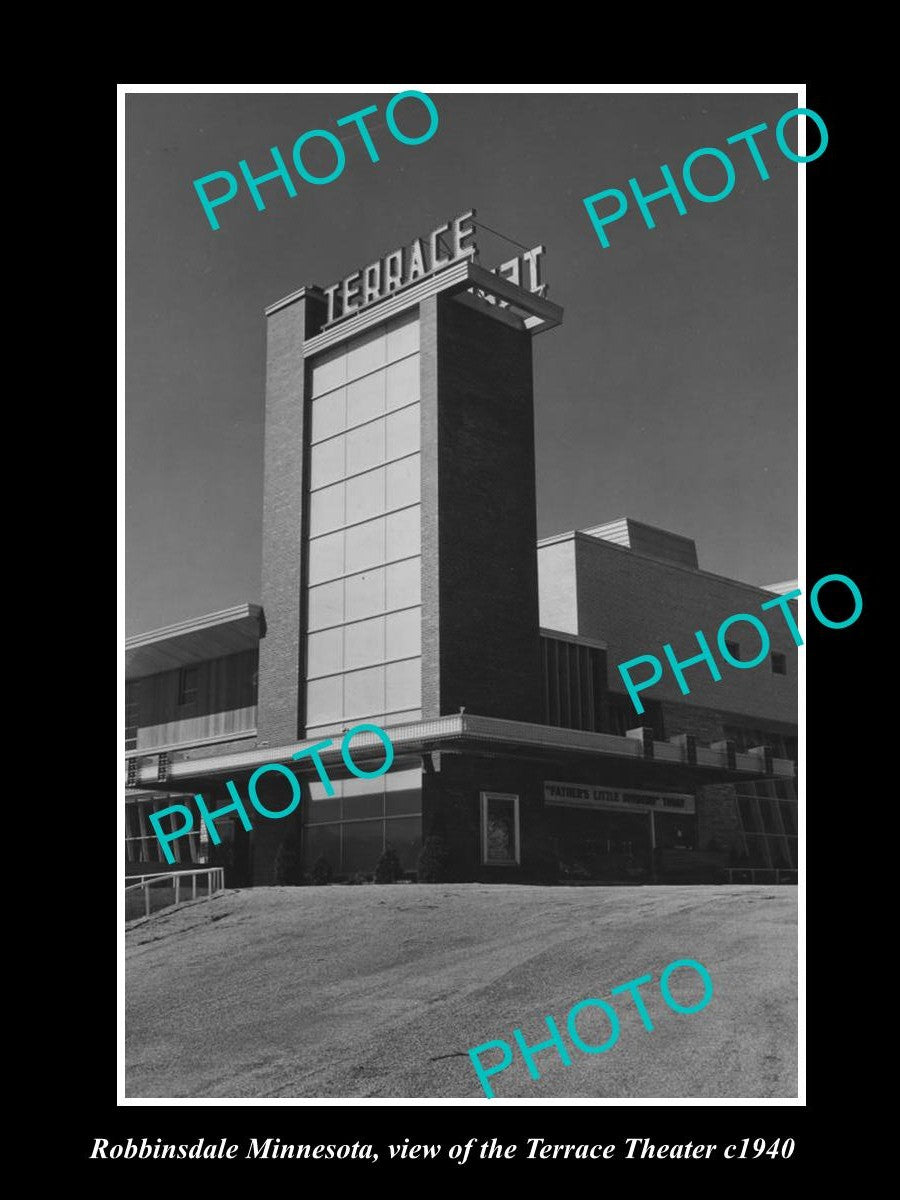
(789, 817)
(324, 700)
(365, 398)
(403, 584)
(143, 825)
(322, 807)
(401, 781)
(756, 848)
(768, 816)
(326, 462)
(323, 841)
(326, 509)
(329, 371)
(403, 534)
(364, 643)
(778, 853)
(364, 693)
(404, 685)
(747, 809)
(403, 634)
(363, 844)
(407, 801)
(365, 447)
(317, 788)
(329, 415)
(362, 787)
(402, 383)
(402, 431)
(326, 605)
(325, 810)
(363, 804)
(403, 336)
(325, 653)
(365, 496)
(403, 483)
(366, 353)
(405, 835)
(326, 557)
(365, 594)
(365, 545)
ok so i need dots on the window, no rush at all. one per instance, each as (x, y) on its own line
(187, 686)
(767, 811)
(734, 649)
(574, 678)
(749, 814)
(789, 817)
(363, 641)
(131, 716)
(779, 664)
(499, 829)
(352, 827)
(141, 842)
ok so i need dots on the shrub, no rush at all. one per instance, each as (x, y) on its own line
(434, 861)
(388, 868)
(358, 878)
(288, 862)
(321, 872)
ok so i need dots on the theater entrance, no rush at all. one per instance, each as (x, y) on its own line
(603, 846)
(614, 834)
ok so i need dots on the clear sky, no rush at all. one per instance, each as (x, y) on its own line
(668, 394)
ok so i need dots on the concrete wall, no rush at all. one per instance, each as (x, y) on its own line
(648, 539)
(635, 604)
(556, 586)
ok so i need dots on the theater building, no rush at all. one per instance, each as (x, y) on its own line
(403, 584)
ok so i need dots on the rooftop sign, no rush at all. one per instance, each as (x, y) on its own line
(447, 244)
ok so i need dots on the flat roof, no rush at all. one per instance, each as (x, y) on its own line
(211, 636)
(473, 730)
(601, 545)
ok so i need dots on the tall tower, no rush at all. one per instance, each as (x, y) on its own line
(399, 533)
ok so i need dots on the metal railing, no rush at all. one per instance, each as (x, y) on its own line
(164, 881)
(769, 874)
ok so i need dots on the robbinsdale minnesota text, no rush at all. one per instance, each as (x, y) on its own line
(270, 1148)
